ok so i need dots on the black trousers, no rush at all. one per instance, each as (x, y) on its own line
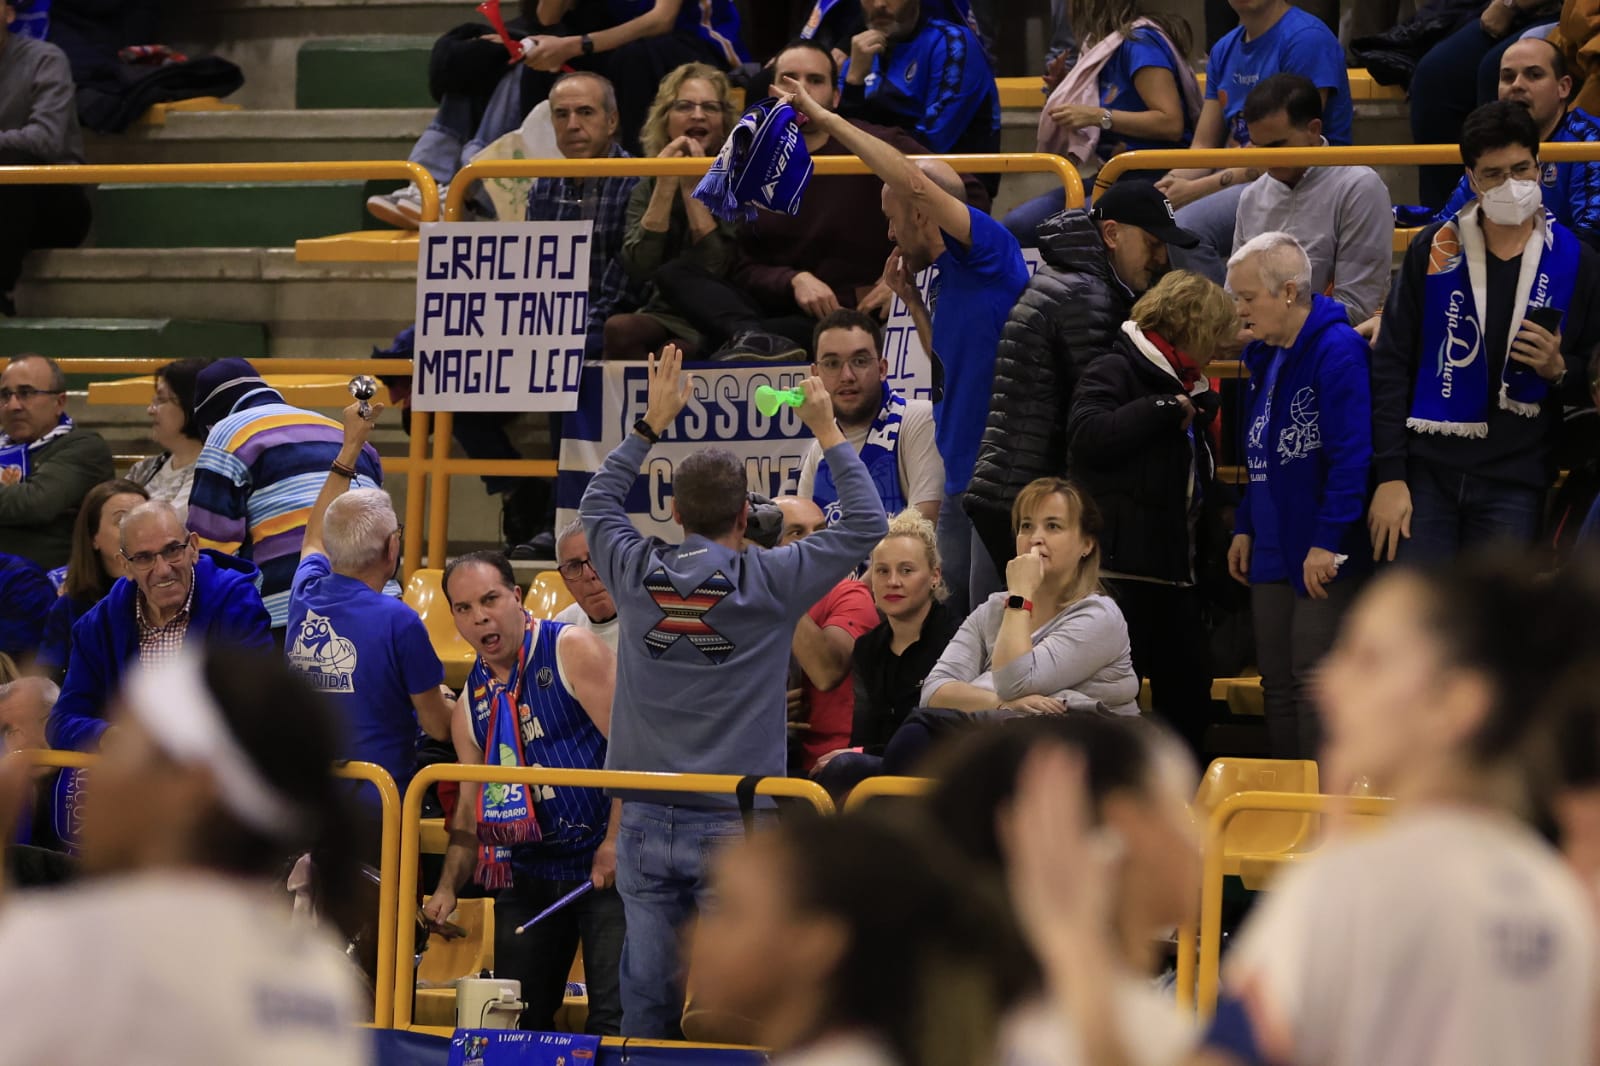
(541, 958)
(38, 216)
(721, 310)
(1171, 647)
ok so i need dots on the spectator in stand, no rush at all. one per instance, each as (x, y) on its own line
(51, 810)
(38, 125)
(822, 704)
(953, 107)
(791, 271)
(894, 436)
(540, 694)
(47, 464)
(1052, 643)
(981, 273)
(890, 663)
(1460, 73)
(584, 110)
(259, 473)
(1272, 37)
(1140, 446)
(1308, 452)
(632, 44)
(26, 595)
(94, 567)
(1533, 73)
(170, 475)
(1131, 89)
(1097, 262)
(689, 119)
(1464, 441)
(1342, 216)
(708, 632)
(175, 594)
(592, 608)
(369, 653)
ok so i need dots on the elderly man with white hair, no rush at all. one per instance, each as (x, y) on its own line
(369, 653)
(1298, 538)
(592, 609)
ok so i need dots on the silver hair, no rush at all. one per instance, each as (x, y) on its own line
(148, 509)
(357, 529)
(48, 690)
(572, 529)
(608, 92)
(1281, 259)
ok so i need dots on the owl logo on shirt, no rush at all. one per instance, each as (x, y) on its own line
(326, 659)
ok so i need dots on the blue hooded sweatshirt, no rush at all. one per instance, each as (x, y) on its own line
(1318, 441)
(226, 609)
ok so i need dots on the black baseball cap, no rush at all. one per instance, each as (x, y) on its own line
(1138, 203)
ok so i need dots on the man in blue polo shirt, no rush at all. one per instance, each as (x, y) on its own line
(980, 274)
(1271, 38)
(367, 652)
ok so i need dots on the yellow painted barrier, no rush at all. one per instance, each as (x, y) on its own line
(1370, 155)
(301, 390)
(389, 852)
(411, 822)
(875, 787)
(1210, 933)
(228, 173)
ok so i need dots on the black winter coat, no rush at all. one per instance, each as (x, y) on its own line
(1067, 316)
(1128, 450)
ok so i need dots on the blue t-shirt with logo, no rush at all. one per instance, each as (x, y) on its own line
(976, 289)
(1297, 43)
(1141, 49)
(369, 654)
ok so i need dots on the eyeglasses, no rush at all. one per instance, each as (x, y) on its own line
(573, 569)
(27, 392)
(689, 107)
(1494, 176)
(860, 364)
(172, 555)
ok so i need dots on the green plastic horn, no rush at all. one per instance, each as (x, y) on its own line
(769, 399)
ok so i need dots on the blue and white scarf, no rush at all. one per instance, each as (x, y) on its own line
(507, 814)
(764, 162)
(1452, 390)
(15, 465)
(881, 456)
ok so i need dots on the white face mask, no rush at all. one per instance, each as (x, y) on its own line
(1512, 202)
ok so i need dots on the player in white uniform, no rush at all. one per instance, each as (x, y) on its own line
(1450, 936)
(176, 950)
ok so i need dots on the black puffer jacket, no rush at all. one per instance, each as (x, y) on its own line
(1068, 316)
(1129, 451)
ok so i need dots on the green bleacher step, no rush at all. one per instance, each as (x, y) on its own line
(130, 338)
(239, 215)
(385, 72)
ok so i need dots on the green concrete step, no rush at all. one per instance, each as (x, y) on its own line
(363, 72)
(129, 338)
(241, 215)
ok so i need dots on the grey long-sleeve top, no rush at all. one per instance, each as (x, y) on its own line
(38, 105)
(1082, 652)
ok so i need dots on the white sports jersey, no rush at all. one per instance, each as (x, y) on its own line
(573, 615)
(171, 969)
(1153, 1030)
(1448, 938)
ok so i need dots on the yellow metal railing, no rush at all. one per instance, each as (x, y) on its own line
(411, 823)
(1371, 155)
(875, 787)
(388, 863)
(1209, 955)
(825, 165)
(219, 173)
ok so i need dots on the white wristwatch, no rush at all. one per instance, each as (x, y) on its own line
(1105, 115)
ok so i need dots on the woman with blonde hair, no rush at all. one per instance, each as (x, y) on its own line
(1053, 642)
(1139, 443)
(891, 662)
(689, 119)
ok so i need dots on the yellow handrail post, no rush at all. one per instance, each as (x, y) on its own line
(411, 824)
(439, 490)
(1211, 874)
(874, 787)
(388, 867)
(416, 490)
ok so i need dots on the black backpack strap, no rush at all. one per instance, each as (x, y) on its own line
(745, 792)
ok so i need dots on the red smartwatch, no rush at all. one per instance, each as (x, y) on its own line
(1017, 603)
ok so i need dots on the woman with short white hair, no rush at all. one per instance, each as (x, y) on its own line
(1298, 535)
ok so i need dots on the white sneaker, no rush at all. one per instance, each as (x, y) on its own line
(402, 208)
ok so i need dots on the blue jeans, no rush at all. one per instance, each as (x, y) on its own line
(969, 572)
(1212, 220)
(450, 141)
(663, 863)
(1023, 220)
(1452, 510)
